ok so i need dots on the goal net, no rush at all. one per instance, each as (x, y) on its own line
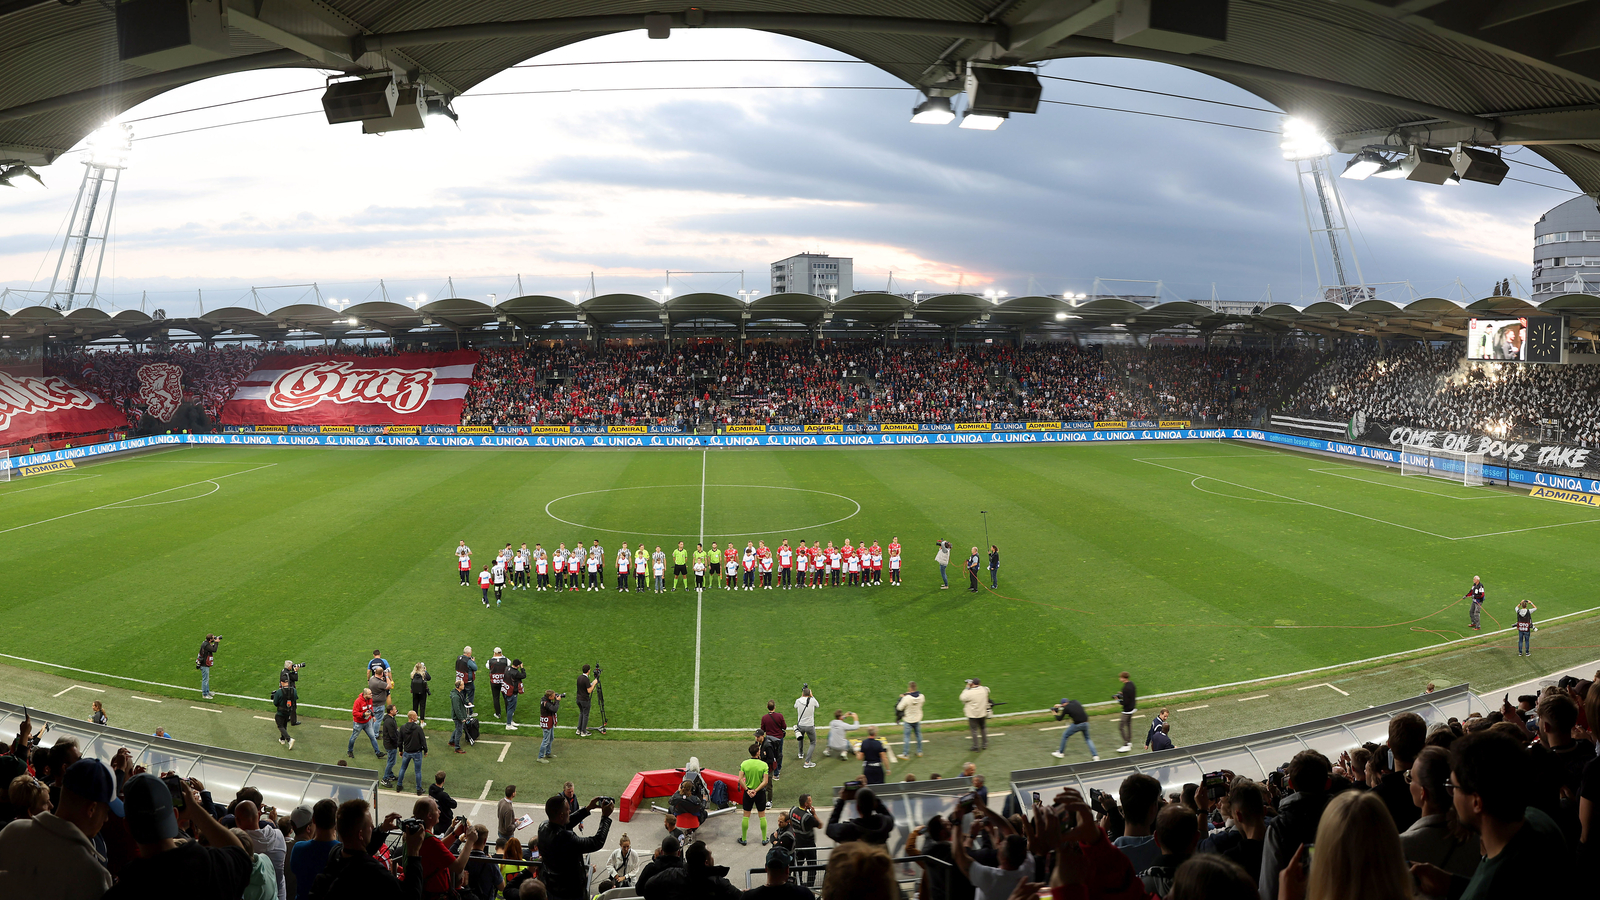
(5, 466)
(1451, 465)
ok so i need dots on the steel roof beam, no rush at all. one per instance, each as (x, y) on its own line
(156, 81)
(762, 21)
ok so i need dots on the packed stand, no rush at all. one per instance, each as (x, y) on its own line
(1438, 388)
(209, 374)
(791, 382)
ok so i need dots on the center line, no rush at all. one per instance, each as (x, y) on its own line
(699, 596)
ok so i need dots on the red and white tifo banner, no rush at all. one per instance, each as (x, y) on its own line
(32, 405)
(409, 389)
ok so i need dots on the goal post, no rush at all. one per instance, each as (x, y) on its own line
(1451, 465)
(5, 466)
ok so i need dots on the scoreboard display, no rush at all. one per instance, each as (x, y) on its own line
(1537, 339)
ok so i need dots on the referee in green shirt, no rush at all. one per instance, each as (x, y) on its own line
(680, 567)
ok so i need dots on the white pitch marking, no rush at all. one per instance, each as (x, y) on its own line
(505, 747)
(332, 727)
(43, 486)
(145, 699)
(1442, 537)
(1520, 530)
(703, 486)
(1328, 686)
(206, 709)
(262, 718)
(115, 503)
(77, 687)
(1193, 708)
(700, 596)
(1334, 471)
(1256, 697)
(486, 785)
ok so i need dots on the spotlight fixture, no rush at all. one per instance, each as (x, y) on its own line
(441, 106)
(10, 174)
(1003, 90)
(1364, 165)
(983, 121)
(933, 111)
(1391, 170)
(361, 98)
(1473, 164)
(1427, 166)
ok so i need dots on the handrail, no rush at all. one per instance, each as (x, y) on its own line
(898, 860)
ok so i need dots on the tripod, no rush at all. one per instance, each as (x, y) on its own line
(600, 695)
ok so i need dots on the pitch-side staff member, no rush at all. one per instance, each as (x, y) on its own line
(973, 562)
(1129, 698)
(1476, 593)
(203, 660)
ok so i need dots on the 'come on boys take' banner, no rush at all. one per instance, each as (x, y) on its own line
(692, 442)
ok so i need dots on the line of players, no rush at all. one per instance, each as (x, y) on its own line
(762, 567)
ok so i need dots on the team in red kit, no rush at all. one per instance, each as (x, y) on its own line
(755, 567)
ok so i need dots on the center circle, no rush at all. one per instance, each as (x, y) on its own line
(721, 509)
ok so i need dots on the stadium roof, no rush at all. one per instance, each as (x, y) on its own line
(1432, 318)
(1372, 72)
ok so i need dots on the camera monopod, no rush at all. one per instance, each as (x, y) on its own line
(600, 695)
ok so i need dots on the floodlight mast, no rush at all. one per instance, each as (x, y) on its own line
(91, 219)
(1304, 145)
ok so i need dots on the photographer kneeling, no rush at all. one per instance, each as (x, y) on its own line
(353, 871)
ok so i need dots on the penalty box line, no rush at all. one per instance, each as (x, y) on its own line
(116, 503)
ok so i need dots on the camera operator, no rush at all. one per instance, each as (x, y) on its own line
(942, 557)
(586, 689)
(441, 869)
(561, 852)
(975, 705)
(288, 677)
(203, 660)
(805, 725)
(512, 687)
(549, 711)
(1080, 725)
(467, 671)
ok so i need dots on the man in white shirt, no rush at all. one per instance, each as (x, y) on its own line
(805, 725)
(267, 840)
(499, 573)
(51, 856)
(464, 561)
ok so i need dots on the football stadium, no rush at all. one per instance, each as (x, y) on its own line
(955, 594)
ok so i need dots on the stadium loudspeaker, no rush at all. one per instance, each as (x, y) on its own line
(1428, 166)
(409, 112)
(1181, 26)
(171, 34)
(1002, 90)
(1477, 165)
(362, 98)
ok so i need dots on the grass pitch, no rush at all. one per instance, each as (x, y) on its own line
(1183, 563)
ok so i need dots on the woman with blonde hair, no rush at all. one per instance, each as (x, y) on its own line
(1358, 855)
(859, 871)
(420, 691)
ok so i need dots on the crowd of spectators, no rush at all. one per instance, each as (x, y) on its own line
(849, 382)
(210, 374)
(1438, 388)
(1499, 805)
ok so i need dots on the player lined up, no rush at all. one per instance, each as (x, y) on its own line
(756, 566)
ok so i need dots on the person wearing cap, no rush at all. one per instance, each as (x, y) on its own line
(668, 856)
(168, 866)
(352, 870)
(700, 877)
(52, 855)
(203, 661)
(778, 886)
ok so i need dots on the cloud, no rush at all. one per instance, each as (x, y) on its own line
(629, 185)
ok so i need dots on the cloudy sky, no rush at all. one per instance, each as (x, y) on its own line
(628, 184)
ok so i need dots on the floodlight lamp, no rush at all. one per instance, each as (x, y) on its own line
(109, 145)
(933, 111)
(1363, 165)
(1391, 170)
(1061, 317)
(15, 176)
(983, 121)
(1303, 140)
(422, 298)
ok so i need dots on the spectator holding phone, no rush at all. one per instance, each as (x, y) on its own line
(354, 873)
(873, 823)
(441, 869)
(156, 811)
(561, 851)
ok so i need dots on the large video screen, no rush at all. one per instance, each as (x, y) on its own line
(1497, 339)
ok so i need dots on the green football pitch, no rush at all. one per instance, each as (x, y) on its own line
(1188, 564)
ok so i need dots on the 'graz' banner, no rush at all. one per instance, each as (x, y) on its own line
(1562, 458)
(409, 389)
(32, 405)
